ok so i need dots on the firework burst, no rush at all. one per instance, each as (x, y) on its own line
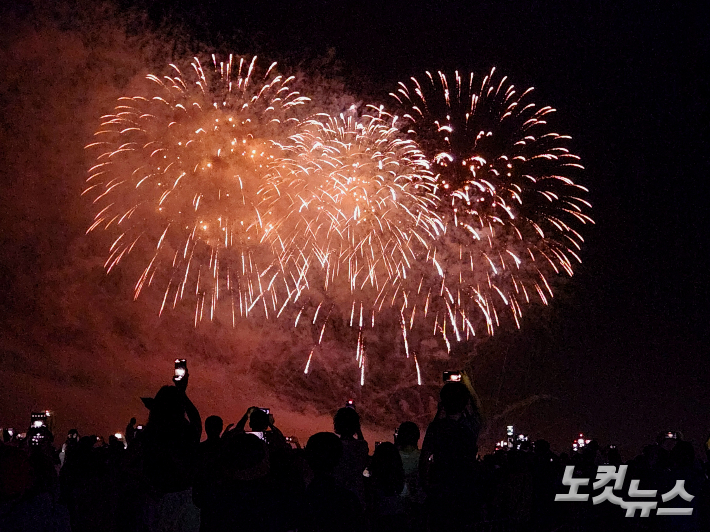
(355, 207)
(179, 174)
(460, 212)
(355, 204)
(507, 195)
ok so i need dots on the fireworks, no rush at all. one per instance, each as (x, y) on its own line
(355, 207)
(507, 196)
(179, 175)
(458, 212)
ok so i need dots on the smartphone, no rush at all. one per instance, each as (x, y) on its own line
(259, 435)
(180, 369)
(672, 435)
(264, 410)
(452, 376)
(350, 404)
(38, 419)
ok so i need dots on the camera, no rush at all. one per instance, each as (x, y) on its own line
(264, 410)
(452, 376)
(180, 369)
(350, 404)
(259, 435)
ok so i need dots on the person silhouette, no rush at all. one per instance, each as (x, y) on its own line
(447, 465)
(349, 471)
(330, 506)
(169, 449)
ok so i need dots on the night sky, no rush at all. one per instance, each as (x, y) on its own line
(623, 353)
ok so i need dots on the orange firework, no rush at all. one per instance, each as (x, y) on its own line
(178, 177)
(355, 206)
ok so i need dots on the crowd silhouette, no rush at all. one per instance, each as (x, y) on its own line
(249, 476)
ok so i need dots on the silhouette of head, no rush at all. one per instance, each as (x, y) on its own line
(258, 420)
(542, 447)
(386, 468)
(244, 457)
(213, 427)
(323, 452)
(133, 421)
(346, 422)
(614, 457)
(407, 434)
(454, 397)
(166, 408)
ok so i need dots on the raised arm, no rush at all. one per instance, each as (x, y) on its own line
(193, 415)
(242, 423)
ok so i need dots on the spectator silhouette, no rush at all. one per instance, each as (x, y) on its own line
(131, 431)
(407, 441)
(84, 484)
(70, 444)
(25, 503)
(169, 447)
(213, 429)
(263, 425)
(240, 493)
(387, 510)
(208, 456)
(683, 466)
(546, 475)
(448, 459)
(330, 507)
(349, 471)
(614, 457)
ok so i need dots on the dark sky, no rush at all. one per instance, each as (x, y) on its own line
(628, 355)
